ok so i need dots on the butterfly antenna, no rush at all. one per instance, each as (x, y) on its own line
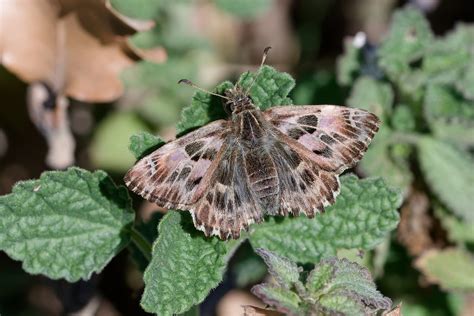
(264, 57)
(190, 83)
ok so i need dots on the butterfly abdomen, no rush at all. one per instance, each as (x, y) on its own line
(263, 178)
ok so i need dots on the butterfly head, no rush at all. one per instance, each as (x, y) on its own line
(237, 100)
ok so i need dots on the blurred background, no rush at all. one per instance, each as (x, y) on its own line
(78, 78)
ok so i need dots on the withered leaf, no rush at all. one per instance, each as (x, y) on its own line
(77, 47)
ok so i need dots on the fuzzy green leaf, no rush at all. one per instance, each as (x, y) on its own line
(452, 269)
(450, 174)
(341, 285)
(68, 224)
(465, 85)
(384, 160)
(458, 230)
(284, 300)
(271, 87)
(334, 287)
(285, 272)
(185, 266)
(371, 95)
(142, 143)
(450, 117)
(409, 37)
(109, 144)
(364, 212)
(246, 9)
(203, 109)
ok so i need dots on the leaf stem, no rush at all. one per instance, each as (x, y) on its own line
(141, 242)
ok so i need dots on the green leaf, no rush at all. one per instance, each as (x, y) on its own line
(383, 159)
(450, 60)
(348, 64)
(372, 95)
(409, 37)
(450, 117)
(403, 118)
(153, 89)
(110, 141)
(364, 212)
(450, 174)
(271, 87)
(285, 272)
(203, 109)
(452, 269)
(466, 83)
(68, 224)
(143, 143)
(246, 9)
(284, 300)
(340, 285)
(334, 287)
(458, 230)
(141, 9)
(185, 266)
(248, 270)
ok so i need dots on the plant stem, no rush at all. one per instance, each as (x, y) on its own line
(141, 242)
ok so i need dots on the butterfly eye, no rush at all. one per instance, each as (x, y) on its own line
(229, 107)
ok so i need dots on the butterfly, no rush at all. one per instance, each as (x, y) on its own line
(231, 173)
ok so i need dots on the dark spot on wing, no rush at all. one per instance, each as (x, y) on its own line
(192, 148)
(209, 154)
(326, 152)
(184, 173)
(339, 137)
(190, 184)
(327, 139)
(311, 120)
(220, 201)
(296, 133)
(223, 174)
(302, 186)
(307, 176)
(237, 200)
(173, 176)
(209, 197)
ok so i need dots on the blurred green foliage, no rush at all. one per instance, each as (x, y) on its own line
(422, 90)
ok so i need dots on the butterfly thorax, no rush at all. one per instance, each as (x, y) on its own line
(238, 101)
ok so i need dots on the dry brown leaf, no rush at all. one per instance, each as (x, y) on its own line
(77, 47)
(415, 224)
(397, 311)
(48, 112)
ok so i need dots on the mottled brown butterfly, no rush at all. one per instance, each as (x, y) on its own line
(231, 173)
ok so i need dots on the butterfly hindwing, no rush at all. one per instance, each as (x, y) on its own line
(304, 186)
(337, 136)
(171, 175)
(227, 205)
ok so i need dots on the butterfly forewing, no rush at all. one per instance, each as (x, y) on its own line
(171, 175)
(337, 136)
